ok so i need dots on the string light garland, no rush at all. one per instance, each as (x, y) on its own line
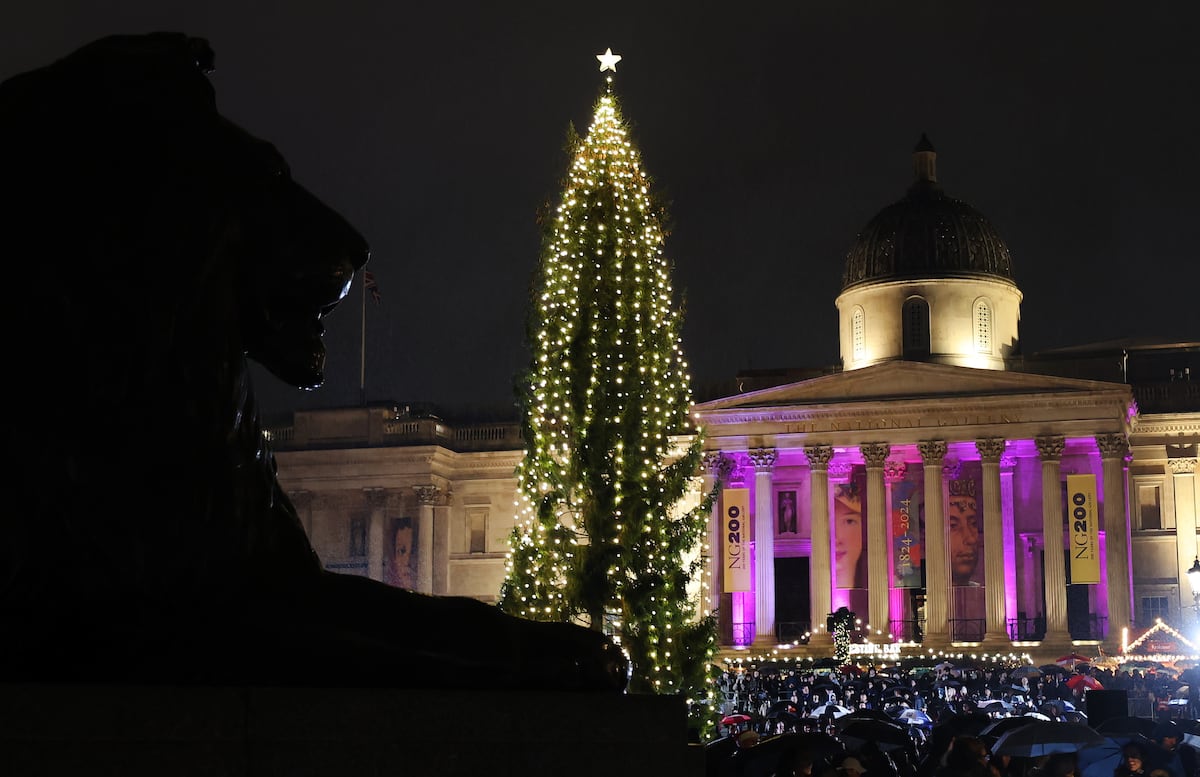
(605, 535)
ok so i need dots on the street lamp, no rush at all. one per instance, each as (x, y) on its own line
(1194, 579)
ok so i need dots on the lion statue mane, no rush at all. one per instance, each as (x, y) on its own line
(159, 246)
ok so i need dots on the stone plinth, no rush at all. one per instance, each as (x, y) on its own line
(329, 732)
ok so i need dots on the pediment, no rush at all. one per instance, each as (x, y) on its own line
(902, 380)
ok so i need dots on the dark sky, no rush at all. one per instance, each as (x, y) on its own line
(775, 131)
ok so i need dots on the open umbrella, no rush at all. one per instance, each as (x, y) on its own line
(783, 708)
(1085, 680)
(1025, 670)
(912, 717)
(831, 708)
(1102, 759)
(736, 719)
(1070, 660)
(1127, 725)
(1003, 726)
(863, 714)
(1052, 669)
(887, 736)
(1043, 737)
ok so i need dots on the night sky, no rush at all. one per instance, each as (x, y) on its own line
(774, 134)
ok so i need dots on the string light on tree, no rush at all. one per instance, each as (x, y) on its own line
(603, 537)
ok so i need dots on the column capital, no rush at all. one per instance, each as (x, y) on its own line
(894, 471)
(376, 497)
(875, 453)
(951, 469)
(719, 465)
(1182, 466)
(990, 448)
(763, 459)
(818, 456)
(932, 451)
(839, 470)
(428, 495)
(1112, 446)
(1050, 448)
(1008, 464)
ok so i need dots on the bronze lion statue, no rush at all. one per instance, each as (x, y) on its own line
(159, 246)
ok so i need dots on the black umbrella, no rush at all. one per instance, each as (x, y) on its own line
(1128, 725)
(1004, 725)
(1043, 737)
(787, 706)
(886, 735)
(763, 759)
(863, 714)
(1026, 670)
(1052, 669)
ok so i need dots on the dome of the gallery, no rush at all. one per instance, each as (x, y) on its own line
(926, 234)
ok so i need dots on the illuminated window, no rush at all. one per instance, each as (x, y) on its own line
(859, 333)
(983, 326)
(477, 531)
(916, 328)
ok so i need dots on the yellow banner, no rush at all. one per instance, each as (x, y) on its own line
(1083, 532)
(735, 528)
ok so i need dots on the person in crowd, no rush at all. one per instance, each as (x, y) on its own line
(1133, 762)
(967, 756)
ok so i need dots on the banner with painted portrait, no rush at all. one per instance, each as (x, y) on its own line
(850, 531)
(964, 526)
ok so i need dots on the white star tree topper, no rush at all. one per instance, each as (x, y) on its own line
(608, 60)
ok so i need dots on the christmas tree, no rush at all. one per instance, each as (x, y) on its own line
(612, 455)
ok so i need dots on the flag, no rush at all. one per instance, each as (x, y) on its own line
(371, 286)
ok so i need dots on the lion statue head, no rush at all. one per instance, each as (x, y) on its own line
(159, 246)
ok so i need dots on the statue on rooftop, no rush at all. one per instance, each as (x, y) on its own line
(156, 247)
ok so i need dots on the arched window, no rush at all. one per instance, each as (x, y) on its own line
(983, 326)
(916, 327)
(858, 333)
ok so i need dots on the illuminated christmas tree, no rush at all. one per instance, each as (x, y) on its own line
(611, 451)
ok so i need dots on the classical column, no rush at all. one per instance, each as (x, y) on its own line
(303, 502)
(1183, 481)
(893, 472)
(820, 567)
(440, 578)
(427, 497)
(1114, 450)
(990, 450)
(763, 460)
(377, 500)
(1012, 591)
(937, 570)
(712, 464)
(878, 584)
(1050, 450)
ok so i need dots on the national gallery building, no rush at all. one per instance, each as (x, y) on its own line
(947, 489)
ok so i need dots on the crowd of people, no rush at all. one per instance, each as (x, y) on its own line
(818, 723)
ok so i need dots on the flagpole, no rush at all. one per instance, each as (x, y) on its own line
(362, 356)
